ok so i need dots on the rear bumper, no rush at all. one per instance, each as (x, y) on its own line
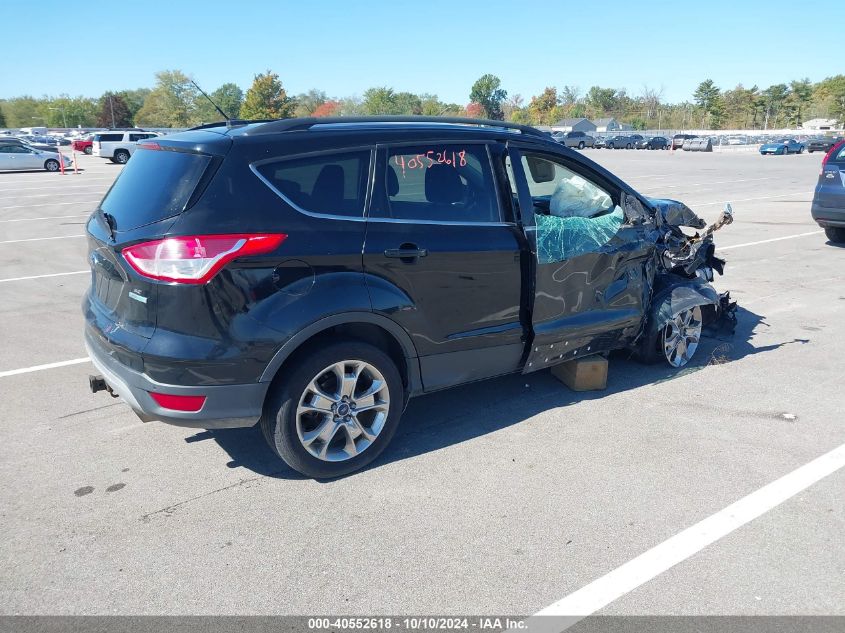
(828, 216)
(226, 406)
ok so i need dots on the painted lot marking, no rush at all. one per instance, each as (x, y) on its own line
(75, 272)
(51, 195)
(26, 370)
(678, 548)
(49, 204)
(780, 195)
(49, 217)
(39, 239)
(774, 239)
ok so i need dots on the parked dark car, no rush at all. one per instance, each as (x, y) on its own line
(232, 284)
(678, 140)
(821, 144)
(828, 208)
(654, 142)
(620, 142)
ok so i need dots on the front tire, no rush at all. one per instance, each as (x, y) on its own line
(51, 164)
(581, 145)
(835, 234)
(628, 146)
(335, 411)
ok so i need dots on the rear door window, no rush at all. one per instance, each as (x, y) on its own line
(442, 183)
(330, 184)
(153, 186)
(108, 137)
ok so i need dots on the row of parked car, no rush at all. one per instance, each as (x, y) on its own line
(25, 152)
(582, 140)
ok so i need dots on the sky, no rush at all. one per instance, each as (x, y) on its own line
(434, 46)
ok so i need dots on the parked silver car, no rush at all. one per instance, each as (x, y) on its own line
(14, 156)
(574, 139)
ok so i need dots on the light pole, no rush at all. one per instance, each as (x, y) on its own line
(111, 107)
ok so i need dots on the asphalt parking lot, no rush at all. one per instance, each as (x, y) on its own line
(501, 497)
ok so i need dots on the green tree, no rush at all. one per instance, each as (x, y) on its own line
(308, 102)
(773, 100)
(542, 107)
(2, 115)
(487, 93)
(172, 103)
(829, 98)
(266, 99)
(113, 111)
(134, 99)
(601, 101)
(708, 97)
(381, 100)
(22, 112)
(228, 97)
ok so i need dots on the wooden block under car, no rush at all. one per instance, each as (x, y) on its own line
(583, 374)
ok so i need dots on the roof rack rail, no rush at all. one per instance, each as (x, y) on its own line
(306, 123)
(230, 123)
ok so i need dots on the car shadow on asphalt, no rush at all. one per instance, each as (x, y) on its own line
(453, 416)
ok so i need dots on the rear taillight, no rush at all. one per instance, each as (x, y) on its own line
(149, 145)
(197, 258)
(178, 403)
(830, 153)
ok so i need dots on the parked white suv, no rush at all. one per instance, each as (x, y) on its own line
(118, 145)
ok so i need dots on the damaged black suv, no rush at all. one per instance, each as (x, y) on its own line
(312, 275)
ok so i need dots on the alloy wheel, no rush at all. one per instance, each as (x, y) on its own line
(681, 335)
(342, 410)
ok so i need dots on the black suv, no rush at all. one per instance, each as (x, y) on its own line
(312, 275)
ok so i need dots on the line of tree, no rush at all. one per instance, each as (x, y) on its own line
(174, 101)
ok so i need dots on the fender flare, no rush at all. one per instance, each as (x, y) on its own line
(671, 300)
(306, 333)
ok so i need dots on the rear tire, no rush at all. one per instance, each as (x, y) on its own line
(121, 157)
(88, 150)
(628, 146)
(581, 145)
(835, 234)
(51, 164)
(288, 427)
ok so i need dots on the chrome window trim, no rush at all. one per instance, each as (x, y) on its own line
(316, 214)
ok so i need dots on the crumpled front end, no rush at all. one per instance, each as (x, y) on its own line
(685, 266)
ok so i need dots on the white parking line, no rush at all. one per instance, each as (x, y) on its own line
(780, 195)
(50, 195)
(26, 370)
(75, 272)
(38, 239)
(49, 204)
(48, 217)
(640, 570)
(774, 239)
(102, 186)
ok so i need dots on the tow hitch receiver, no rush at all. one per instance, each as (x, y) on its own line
(98, 383)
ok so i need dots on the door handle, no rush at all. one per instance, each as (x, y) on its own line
(406, 251)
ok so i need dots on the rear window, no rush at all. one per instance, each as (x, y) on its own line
(108, 137)
(331, 184)
(838, 156)
(154, 185)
